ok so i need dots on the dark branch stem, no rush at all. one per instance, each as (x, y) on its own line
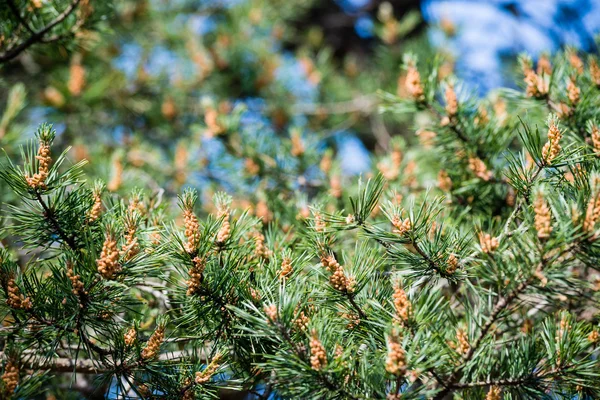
(39, 35)
(66, 365)
(49, 214)
(499, 382)
(359, 310)
(425, 256)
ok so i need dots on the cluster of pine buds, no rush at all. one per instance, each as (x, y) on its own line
(255, 294)
(136, 204)
(413, 83)
(426, 138)
(116, 176)
(335, 186)
(400, 226)
(260, 249)
(252, 167)
(462, 339)
(391, 171)
(204, 376)
(297, 144)
(482, 117)
(14, 297)
(153, 346)
(595, 71)
(108, 263)
(38, 180)
(301, 322)
(494, 393)
(130, 336)
(131, 246)
(318, 357)
(563, 329)
(195, 273)
(286, 267)
(395, 362)
(78, 286)
(479, 168)
(595, 136)
(225, 230)
(76, 76)
(213, 123)
(543, 217)
(10, 378)
(319, 223)
(537, 83)
(338, 278)
(444, 181)
(451, 101)
(488, 243)
(543, 65)
(189, 393)
(192, 228)
(573, 92)
(593, 336)
(96, 209)
(592, 213)
(144, 391)
(271, 311)
(451, 264)
(402, 304)
(552, 147)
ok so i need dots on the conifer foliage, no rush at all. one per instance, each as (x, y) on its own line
(474, 274)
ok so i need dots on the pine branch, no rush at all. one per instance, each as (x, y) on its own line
(432, 264)
(500, 382)
(49, 214)
(39, 35)
(64, 365)
(359, 310)
(502, 304)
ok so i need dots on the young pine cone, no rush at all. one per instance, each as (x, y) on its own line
(10, 378)
(318, 357)
(153, 346)
(108, 263)
(14, 297)
(395, 362)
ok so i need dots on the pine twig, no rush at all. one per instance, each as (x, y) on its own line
(39, 35)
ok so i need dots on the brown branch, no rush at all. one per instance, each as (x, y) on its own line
(359, 310)
(63, 365)
(80, 365)
(512, 381)
(425, 256)
(39, 35)
(49, 214)
(499, 382)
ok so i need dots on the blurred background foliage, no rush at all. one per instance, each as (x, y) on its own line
(210, 94)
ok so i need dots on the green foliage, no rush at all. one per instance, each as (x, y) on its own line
(463, 263)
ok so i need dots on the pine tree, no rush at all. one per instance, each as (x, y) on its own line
(466, 265)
